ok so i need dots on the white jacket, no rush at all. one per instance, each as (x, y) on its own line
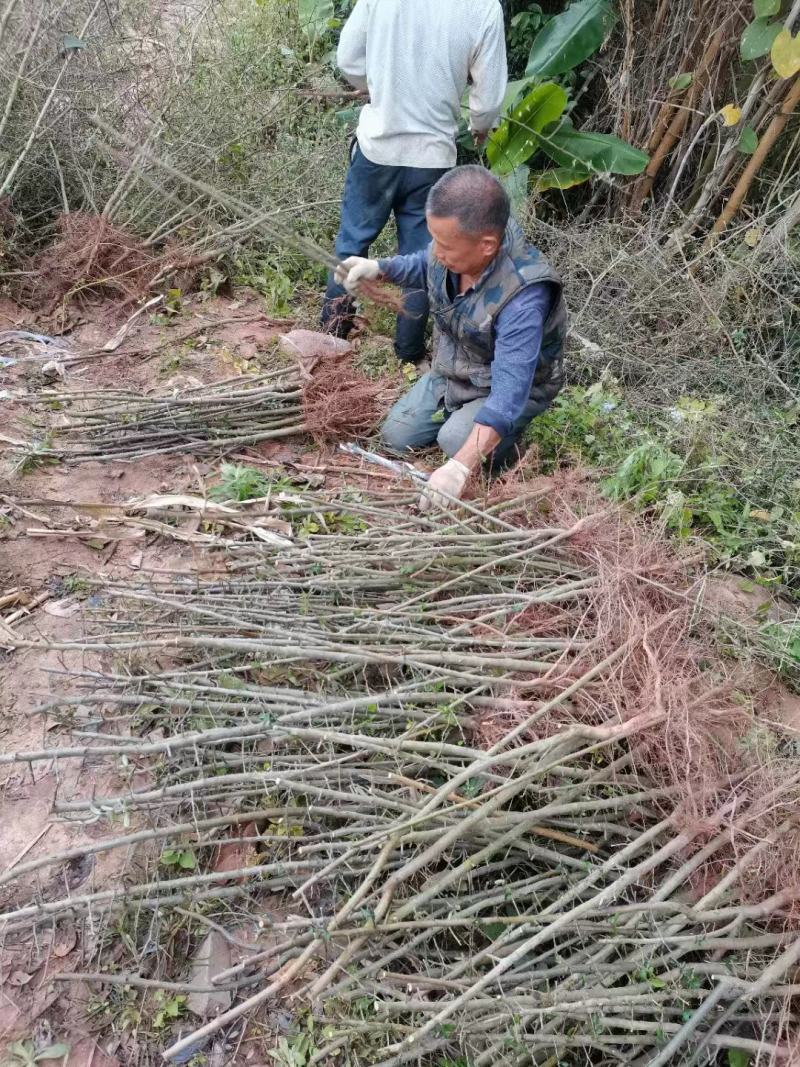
(416, 58)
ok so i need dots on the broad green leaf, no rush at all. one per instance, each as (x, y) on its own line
(515, 139)
(758, 38)
(785, 54)
(314, 16)
(71, 43)
(570, 38)
(53, 1052)
(748, 142)
(513, 89)
(187, 860)
(738, 1058)
(516, 185)
(764, 9)
(349, 116)
(597, 152)
(681, 81)
(560, 178)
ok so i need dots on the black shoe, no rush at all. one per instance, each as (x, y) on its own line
(338, 316)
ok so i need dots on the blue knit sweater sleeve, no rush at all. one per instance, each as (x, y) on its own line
(410, 272)
(518, 340)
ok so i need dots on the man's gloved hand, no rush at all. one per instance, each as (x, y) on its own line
(450, 478)
(354, 270)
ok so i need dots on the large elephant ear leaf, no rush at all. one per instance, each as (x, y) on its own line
(599, 153)
(570, 38)
(559, 178)
(314, 17)
(515, 140)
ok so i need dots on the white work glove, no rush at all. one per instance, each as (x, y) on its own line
(450, 478)
(354, 270)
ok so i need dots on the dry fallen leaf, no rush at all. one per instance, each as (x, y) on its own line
(87, 1053)
(63, 609)
(236, 854)
(179, 500)
(65, 943)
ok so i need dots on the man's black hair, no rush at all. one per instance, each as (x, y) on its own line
(474, 197)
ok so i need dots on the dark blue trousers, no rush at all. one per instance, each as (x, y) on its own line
(371, 194)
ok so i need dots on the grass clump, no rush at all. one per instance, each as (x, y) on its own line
(240, 483)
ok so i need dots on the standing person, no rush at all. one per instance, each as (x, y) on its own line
(500, 323)
(416, 58)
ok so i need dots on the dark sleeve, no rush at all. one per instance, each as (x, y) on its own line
(518, 341)
(411, 272)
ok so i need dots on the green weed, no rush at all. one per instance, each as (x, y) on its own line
(168, 1009)
(295, 1051)
(240, 483)
(120, 1006)
(23, 1054)
(74, 585)
(375, 357)
(35, 455)
(282, 282)
(781, 642)
(329, 522)
(183, 858)
(584, 423)
(692, 471)
(644, 474)
(170, 365)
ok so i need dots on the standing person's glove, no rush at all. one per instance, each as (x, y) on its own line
(450, 478)
(354, 270)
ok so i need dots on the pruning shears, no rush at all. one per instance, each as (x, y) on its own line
(399, 467)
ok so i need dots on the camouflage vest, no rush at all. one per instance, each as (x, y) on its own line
(464, 327)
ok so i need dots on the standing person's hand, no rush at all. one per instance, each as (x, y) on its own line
(480, 137)
(449, 479)
(354, 270)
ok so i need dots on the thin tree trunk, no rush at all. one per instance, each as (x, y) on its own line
(773, 132)
(675, 130)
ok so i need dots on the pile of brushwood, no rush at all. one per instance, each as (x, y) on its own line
(503, 803)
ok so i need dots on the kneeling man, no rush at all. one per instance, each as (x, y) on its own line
(499, 329)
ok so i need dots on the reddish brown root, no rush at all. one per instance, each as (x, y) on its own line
(91, 258)
(340, 403)
(700, 733)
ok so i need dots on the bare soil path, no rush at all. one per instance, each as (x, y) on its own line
(47, 567)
